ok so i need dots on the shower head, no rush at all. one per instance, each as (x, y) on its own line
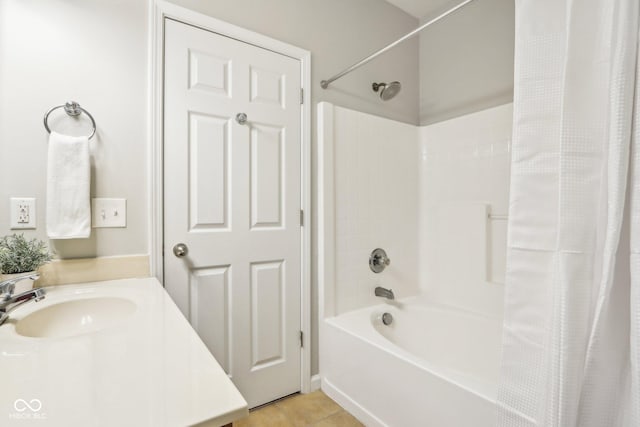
(387, 90)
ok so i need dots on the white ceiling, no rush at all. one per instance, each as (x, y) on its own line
(419, 8)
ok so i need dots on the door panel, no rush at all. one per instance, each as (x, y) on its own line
(208, 180)
(210, 308)
(232, 195)
(267, 294)
(267, 87)
(266, 176)
(209, 72)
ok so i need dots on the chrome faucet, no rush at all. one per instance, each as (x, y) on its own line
(9, 301)
(384, 292)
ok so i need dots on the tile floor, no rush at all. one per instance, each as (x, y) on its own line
(300, 410)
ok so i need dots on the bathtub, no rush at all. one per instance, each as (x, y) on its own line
(432, 366)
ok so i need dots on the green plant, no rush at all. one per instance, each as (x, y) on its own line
(19, 255)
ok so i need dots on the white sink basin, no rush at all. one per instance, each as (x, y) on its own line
(75, 317)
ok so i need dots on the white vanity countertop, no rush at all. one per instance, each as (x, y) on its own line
(148, 369)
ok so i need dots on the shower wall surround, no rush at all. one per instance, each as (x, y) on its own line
(424, 194)
(464, 177)
(376, 183)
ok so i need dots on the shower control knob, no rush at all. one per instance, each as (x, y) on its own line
(180, 250)
(241, 118)
(378, 260)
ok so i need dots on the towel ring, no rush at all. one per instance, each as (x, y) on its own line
(72, 109)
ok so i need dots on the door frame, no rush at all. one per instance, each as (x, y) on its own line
(158, 11)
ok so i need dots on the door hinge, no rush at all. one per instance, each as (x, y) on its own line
(301, 218)
(301, 96)
(301, 339)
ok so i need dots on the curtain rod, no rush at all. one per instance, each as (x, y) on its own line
(325, 83)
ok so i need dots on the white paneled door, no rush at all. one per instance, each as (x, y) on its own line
(232, 235)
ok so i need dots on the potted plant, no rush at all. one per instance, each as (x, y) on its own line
(19, 256)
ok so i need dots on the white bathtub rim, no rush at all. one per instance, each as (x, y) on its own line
(424, 300)
(382, 343)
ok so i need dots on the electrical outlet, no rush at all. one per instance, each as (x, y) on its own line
(23, 213)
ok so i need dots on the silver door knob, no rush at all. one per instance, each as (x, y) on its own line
(241, 118)
(180, 250)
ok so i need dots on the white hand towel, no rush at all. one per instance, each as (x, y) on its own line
(68, 178)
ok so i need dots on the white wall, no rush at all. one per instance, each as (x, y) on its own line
(466, 60)
(95, 52)
(376, 206)
(464, 175)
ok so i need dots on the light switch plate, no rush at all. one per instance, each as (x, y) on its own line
(23, 213)
(108, 213)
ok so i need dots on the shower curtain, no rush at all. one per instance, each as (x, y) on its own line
(571, 355)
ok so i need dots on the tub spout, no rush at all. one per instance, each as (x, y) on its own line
(383, 292)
